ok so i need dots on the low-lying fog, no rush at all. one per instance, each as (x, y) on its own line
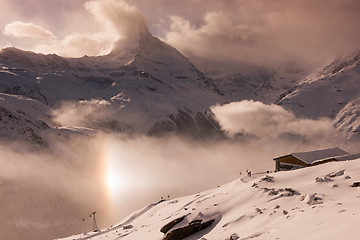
(51, 194)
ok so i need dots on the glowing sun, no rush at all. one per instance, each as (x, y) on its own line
(117, 180)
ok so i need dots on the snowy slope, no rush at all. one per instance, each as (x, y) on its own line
(22, 119)
(348, 120)
(25, 120)
(310, 203)
(142, 80)
(325, 93)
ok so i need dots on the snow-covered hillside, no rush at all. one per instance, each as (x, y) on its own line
(325, 93)
(142, 81)
(312, 203)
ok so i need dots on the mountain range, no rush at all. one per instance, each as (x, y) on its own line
(147, 86)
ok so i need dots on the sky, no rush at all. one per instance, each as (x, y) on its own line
(232, 31)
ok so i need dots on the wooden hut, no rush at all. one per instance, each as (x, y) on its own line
(306, 159)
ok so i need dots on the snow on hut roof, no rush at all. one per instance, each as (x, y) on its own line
(315, 156)
(348, 157)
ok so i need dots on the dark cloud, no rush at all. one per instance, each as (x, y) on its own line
(262, 32)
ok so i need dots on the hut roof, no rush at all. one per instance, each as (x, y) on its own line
(348, 157)
(316, 156)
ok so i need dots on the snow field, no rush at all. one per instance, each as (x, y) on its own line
(282, 205)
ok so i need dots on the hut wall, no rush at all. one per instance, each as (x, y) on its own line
(288, 162)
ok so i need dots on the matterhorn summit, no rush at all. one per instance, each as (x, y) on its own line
(142, 85)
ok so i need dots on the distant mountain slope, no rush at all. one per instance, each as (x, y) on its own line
(23, 119)
(142, 77)
(249, 81)
(320, 202)
(348, 120)
(324, 94)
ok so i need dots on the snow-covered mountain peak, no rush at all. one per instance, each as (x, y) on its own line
(155, 79)
(131, 40)
(128, 47)
(149, 54)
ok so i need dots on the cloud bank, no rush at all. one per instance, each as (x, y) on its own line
(272, 123)
(28, 30)
(118, 16)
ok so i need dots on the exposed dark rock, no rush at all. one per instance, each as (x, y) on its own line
(291, 192)
(234, 236)
(193, 227)
(127, 227)
(258, 210)
(336, 174)
(162, 128)
(317, 199)
(98, 82)
(356, 184)
(285, 192)
(312, 199)
(268, 178)
(273, 192)
(325, 179)
(187, 123)
(171, 224)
